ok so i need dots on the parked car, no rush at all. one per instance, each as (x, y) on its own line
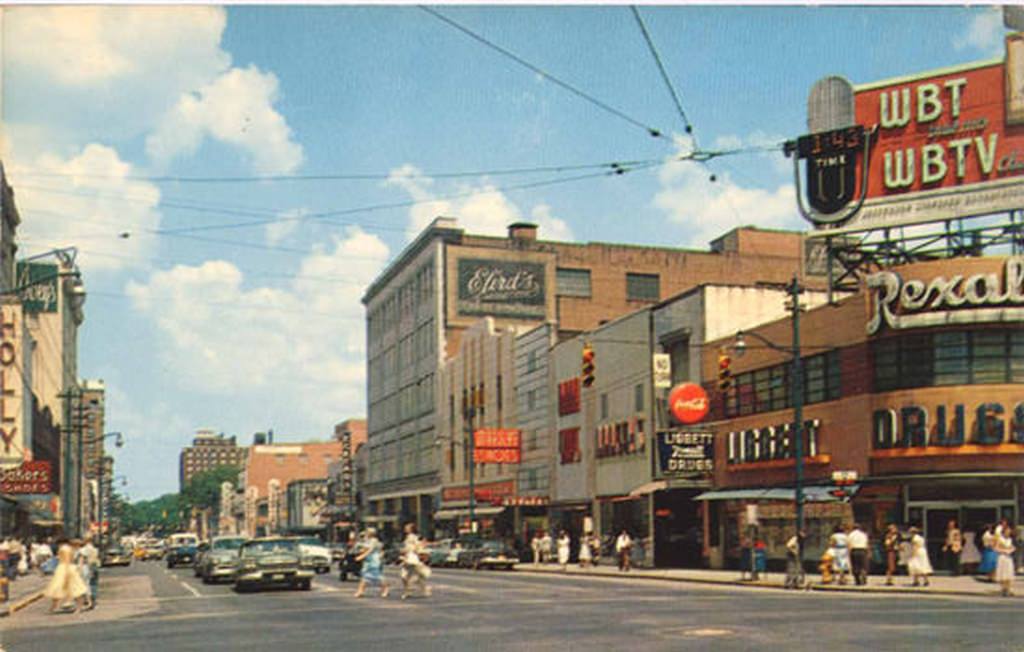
(116, 556)
(487, 554)
(181, 549)
(273, 561)
(438, 552)
(313, 548)
(201, 550)
(220, 560)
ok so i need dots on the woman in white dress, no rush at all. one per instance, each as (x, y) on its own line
(918, 565)
(563, 550)
(840, 554)
(586, 555)
(66, 584)
(970, 557)
(1004, 565)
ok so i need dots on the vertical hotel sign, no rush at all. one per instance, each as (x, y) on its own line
(945, 144)
(12, 451)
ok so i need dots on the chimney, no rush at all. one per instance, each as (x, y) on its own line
(522, 233)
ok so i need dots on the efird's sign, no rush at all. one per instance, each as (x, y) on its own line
(12, 436)
(946, 144)
(501, 288)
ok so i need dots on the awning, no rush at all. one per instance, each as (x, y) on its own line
(812, 494)
(447, 514)
(648, 488)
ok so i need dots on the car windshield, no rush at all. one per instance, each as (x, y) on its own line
(311, 541)
(264, 547)
(228, 544)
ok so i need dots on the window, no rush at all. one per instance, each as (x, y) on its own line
(531, 400)
(604, 406)
(642, 287)
(679, 354)
(569, 397)
(768, 389)
(531, 361)
(569, 446)
(949, 358)
(638, 397)
(572, 282)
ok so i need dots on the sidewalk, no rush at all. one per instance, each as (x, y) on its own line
(939, 585)
(23, 591)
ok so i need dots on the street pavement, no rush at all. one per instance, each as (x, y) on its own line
(147, 607)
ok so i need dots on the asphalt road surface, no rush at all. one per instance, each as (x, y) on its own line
(149, 608)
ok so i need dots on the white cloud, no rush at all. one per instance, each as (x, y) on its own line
(984, 33)
(771, 146)
(94, 203)
(237, 109)
(709, 208)
(482, 209)
(305, 342)
(276, 232)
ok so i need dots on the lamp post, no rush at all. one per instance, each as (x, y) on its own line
(794, 289)
(119, 442)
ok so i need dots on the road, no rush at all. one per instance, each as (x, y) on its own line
(147, 607)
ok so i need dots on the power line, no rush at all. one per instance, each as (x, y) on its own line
(651, 131)
(664, 75)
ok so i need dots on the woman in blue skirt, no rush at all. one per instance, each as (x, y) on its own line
(371, 572)
(988, 553)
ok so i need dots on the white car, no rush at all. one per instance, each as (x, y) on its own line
(314, 549)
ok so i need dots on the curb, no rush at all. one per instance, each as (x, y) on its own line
(897, 590)
(21, 604)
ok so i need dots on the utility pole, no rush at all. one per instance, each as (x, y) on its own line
(795, 290)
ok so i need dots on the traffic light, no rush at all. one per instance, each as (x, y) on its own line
(724, 371)
(588, 365)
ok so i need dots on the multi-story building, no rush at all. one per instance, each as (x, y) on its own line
(446, 279)
(209, 450)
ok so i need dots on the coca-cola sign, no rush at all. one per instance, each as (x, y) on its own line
(500, 288)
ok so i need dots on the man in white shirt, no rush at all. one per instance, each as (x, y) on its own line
(623, 548)
(858, 543)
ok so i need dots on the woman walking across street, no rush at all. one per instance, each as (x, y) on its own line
(414, 571)
(840, 553)
(371, 572)
(1004, 565)
(952, 548)
(891, 543)
(563, 550)
(66, 584)
(919, 566)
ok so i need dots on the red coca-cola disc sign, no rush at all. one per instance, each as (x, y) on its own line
(688, 402)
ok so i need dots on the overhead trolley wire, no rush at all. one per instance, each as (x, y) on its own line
(651, 131)
(664, 74)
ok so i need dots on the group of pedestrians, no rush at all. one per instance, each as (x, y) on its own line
(75, 580)
(588, 552)
(370, 554)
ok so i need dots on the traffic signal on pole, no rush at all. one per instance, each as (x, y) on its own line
(724, 372)
(587, 377)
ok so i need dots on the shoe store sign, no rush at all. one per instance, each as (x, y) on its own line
(942, 300)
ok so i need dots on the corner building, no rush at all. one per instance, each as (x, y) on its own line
(916, 384)
(447, 279)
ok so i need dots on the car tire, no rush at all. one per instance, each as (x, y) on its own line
(241, 587)
(306, 585)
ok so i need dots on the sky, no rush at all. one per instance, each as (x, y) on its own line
(234, 178)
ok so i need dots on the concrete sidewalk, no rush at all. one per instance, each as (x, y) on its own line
(23, 591)
(938, 585)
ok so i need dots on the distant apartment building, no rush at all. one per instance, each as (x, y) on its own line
(419, 307)
(209, 450)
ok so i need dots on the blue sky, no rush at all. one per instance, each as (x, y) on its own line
(110, 111)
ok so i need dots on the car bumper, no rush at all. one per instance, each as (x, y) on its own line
(274, 577)
(223, 571)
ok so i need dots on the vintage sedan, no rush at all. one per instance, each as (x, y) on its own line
(488, 554)
(220, 560)
(273, 561)
(116, 556)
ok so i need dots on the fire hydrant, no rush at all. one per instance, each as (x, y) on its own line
(825, 566)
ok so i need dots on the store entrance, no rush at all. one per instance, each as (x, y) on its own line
(934, 518)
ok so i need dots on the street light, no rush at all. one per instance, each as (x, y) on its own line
(118, 442)
(794, 289)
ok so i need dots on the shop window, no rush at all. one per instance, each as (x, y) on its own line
(643, 287)
(948, 358)
(768, 389)
(572, 282)
(569, 446)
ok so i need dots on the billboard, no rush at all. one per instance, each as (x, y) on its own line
(501, 288)
(30, 478)
(944, 144)
(12, 387)
(39, 281)
(496, 446)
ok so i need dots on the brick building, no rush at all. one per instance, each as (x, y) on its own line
(208, 451)
(446, 279)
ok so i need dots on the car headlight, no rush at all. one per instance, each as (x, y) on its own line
(309, 561)
(248, 564)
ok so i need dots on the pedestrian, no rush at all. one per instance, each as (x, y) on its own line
(1004, 565)
(1019, 553)
(891, 543)
(919, 566)
(988, 553)
(66, 584)
(624, 548)
(859, 557)
(953, 546)
(414, 571)
(16, 555)
(839, 544)
(970, 556)
(794, 569)
(586, 552)
(546, 546)
(91, 557)
(371, 572)
(535, 547)
(563, 550)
